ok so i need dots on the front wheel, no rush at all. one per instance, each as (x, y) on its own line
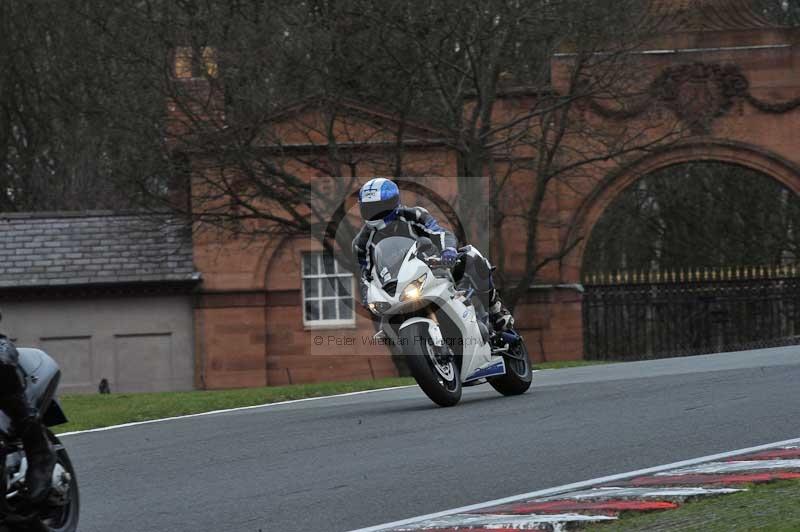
(63, 507)
(434, 368)
(519, 374)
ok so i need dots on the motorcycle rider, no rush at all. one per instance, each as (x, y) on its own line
(13, 401)
(384, 216)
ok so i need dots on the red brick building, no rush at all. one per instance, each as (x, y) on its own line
(729, 76)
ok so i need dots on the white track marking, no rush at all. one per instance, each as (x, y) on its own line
(638, 493)
(521, 522)
(227, 410)
(580, 485)
(734, 467)
(239, 409)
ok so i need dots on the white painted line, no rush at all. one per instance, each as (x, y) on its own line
(638, 493)
(237, 409)
(579, 485)
(506, 521)
(733, 467)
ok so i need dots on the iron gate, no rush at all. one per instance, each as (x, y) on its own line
(639, 317)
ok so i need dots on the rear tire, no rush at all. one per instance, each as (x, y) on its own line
(519, 376)
(422, 359)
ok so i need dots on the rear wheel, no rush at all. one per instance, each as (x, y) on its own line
(433, 367)
(518, 375)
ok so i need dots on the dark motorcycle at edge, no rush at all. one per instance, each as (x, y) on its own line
(60, 511)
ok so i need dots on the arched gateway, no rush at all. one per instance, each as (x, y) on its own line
(595, 204)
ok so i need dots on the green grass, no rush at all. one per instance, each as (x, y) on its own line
(94, 411)
(567, 364)
(770, 507)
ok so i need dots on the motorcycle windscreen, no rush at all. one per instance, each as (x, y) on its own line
(389, 255)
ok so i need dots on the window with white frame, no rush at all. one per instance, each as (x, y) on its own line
(327, 291)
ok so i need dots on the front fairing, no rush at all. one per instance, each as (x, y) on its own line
(412, 268)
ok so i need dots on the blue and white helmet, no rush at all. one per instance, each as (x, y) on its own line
(378, 200)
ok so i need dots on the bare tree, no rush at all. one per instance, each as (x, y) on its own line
(550, 132)
(260, 105)
(276, 109)
(783, 12)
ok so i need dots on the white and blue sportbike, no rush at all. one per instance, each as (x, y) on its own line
(439, 324)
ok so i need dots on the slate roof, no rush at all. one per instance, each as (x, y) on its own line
(66, 249)
(666, 16)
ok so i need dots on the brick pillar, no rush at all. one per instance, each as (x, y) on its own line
(551, 320)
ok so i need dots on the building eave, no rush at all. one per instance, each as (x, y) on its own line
(94, 290)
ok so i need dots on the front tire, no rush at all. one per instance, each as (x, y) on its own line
(65, 518)
(519, 375)
(434, 368)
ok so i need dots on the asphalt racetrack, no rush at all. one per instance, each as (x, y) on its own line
(343, 463)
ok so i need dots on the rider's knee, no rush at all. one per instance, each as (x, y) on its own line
(477, 265)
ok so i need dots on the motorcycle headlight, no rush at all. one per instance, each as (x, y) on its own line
(413, 290)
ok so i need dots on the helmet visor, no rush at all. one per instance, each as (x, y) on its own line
(377, 210)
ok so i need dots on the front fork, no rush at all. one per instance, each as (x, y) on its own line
(442, 350)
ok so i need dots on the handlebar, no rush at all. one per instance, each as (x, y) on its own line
(436, 261)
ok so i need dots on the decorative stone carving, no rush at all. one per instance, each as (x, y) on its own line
(697, 93)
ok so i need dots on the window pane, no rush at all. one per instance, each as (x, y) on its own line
(312, 310)
(312, 287)
(344, 286)
(310, 266)
(345, 309)
(340, 268)
(329, 309)
(327, 263)
(329, 286)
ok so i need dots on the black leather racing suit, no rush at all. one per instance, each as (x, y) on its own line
(27, 424)
(12, 383)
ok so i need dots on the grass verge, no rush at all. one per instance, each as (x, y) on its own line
(95, 411)
(567, 364)
(769, 507)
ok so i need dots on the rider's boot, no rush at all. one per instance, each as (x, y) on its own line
(499, 316)
(41, 461)
(40, 454)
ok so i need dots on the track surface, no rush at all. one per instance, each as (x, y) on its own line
(343, 463)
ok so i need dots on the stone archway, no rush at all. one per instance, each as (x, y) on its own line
(595, 204)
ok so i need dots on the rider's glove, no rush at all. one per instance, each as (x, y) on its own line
(449, 257)
(364, 292)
